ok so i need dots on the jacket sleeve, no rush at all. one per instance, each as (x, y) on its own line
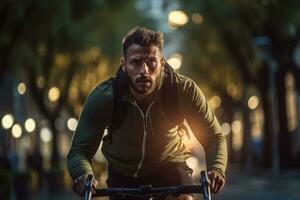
(92, 122)
(204, 125)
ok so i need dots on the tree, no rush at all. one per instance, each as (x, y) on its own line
(68, 46)
(232, 27)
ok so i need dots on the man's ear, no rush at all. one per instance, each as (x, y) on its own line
(163, 62)
(122, 61)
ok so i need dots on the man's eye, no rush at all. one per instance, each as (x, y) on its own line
(152, 63)
(136, 62)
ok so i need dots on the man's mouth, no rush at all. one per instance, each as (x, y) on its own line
(143, 80)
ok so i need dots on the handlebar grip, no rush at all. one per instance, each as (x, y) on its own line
(205, 185)
(88, 187)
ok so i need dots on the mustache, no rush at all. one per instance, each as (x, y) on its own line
(144, 79)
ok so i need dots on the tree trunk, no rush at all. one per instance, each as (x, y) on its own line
(284, 136)
(55, 154)
(296, 139)
(267, 141)
(247, 143)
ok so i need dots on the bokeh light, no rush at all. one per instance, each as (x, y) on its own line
(226, 128)
(21, 88)
(30, 125)
(53, 94)
(46, 134)
(236, 126)
(72, 124)
(214, 102)
(291, 98)
(61, 60)
(177, 18)
(16, 131)
(232, 90)
(7, 121)
(253, 102)
(175, 61)
(237, 135)
(197, 18)
(41, 82)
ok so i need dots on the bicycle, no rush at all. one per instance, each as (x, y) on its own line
(147, 192)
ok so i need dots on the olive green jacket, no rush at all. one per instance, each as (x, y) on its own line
(144, 141)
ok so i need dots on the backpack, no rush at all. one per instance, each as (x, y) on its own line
(169, 98)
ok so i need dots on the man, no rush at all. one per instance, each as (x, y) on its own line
(145, 147)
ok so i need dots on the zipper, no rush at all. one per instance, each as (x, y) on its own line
(144, 137)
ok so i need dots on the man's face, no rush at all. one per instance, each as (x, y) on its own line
(143, 65)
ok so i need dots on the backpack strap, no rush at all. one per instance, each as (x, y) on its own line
(169, 95)
(170, 100)
(119, 85)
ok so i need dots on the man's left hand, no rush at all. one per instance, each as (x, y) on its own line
(216, 181)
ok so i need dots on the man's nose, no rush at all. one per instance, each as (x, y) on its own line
(145, 68)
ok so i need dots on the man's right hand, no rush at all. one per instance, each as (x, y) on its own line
(79, 185)
(216, 181)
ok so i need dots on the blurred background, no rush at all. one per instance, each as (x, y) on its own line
(244, 55)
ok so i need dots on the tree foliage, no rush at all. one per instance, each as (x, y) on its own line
(232, 27)
(71, 45)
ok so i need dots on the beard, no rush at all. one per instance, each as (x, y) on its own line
(143, 85)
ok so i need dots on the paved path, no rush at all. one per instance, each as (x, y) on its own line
(238, 187)
(241, 187)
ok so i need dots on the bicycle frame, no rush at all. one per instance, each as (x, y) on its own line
(150, 192)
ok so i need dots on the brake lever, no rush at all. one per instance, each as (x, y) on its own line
(205, 185)
(88, 187)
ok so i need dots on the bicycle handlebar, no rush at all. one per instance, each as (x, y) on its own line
(150, 191)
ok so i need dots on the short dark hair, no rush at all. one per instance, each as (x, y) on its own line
(144, 37)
